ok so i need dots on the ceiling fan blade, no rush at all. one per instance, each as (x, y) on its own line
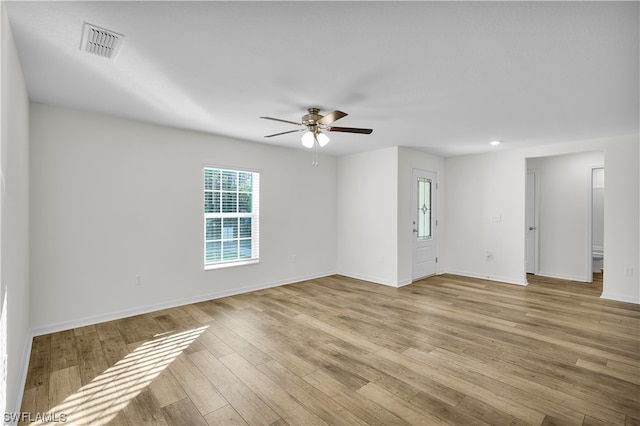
(331, 117)
(350, 130)
(284, 133)
(284, 121)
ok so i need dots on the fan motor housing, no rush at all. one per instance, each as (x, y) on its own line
(312, 117)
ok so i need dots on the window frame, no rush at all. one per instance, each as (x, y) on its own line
(254, 215)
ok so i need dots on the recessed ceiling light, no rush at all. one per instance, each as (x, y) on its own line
(495, 143)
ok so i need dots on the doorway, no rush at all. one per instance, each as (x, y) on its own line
(531, 217)
(597, 220)
(423, 201)
(559, 215)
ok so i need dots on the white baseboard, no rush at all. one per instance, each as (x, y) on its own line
(582, 279)
(22, 380)
(507, 280)
(376, 280)
(620, 298)
(83, 322)
(405, 282)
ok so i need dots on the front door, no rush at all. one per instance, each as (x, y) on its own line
(424, 224)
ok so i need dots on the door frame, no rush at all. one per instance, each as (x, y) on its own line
(536, 220)
(434, 210)
(590, 221)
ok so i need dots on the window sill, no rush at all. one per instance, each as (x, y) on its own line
(231, 264)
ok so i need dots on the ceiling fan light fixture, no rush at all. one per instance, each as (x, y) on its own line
(322, 139)
(307, 139)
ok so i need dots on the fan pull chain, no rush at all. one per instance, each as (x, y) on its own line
(315, 163)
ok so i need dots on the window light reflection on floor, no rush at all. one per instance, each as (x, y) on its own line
(100, 401)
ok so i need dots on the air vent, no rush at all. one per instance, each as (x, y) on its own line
(100, 41)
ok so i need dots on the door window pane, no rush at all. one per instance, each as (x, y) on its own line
(424, 209)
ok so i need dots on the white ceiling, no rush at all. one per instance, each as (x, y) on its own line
(445, 77)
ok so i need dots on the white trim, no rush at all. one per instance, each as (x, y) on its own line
(83, 322)
(413, 280)
(230, 264)
(590, 222)
(506, 280)
(579, 278)
(620, 298)
(407, 282)
(231, 168)
(24, 368)
(536, 219)
(375, 280)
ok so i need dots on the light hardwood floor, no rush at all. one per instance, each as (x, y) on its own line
(335, 350)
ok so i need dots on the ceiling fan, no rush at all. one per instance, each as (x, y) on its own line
(313, 123)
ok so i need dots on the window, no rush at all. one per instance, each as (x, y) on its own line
(231, 200)
(424, 208)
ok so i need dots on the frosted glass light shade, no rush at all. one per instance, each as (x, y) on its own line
(307, 139)
(323, 139)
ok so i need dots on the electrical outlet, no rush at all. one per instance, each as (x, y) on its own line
(627, 271)
(139, 279)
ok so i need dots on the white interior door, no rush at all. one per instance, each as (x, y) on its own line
(530, 219)
(424, 223)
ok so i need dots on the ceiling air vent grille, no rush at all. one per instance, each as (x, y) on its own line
(100, 41)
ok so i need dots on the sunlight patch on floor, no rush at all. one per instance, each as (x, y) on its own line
(100, 401)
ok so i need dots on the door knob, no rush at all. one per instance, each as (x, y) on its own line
(532, 228)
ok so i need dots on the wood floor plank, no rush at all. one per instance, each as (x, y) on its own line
(487, 413)
(245, 401)
(39, 362)
(557, 404)
(338, 332)
(245, 348)
(225, 416)
(281, 401)
(63, 382)
(281, 354)
(448, 413)
(311, 397)
(447, 377)
(144, 409)
(214, 344)
(204, 396)
(89, 350)
(166, 389)
(184, 412)
(359, 405)
(63, 350)
(337, 350)
(35, 400)
(398, 406)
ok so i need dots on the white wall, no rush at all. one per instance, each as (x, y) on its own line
(564, 204)
(409, 159)
(368, 216)
(622, 220)
(482, 186)
(112, 198)
(14, 223)
(597, 189)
